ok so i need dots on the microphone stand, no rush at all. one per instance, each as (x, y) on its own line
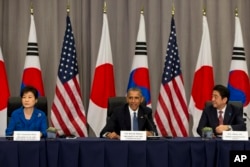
(151, 125)
(245, 114)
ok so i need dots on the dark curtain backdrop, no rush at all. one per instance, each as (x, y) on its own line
(123, 18)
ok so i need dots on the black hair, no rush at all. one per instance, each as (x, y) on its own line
(29, 89)
(223, 91)
(135, 89)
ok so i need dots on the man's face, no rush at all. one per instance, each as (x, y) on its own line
(134, 99)
(218, 101)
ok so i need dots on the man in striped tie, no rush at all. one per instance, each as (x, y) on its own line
(221, 115)
(131, 116)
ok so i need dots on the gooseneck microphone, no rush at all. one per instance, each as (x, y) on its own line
(151, 125)
(245, 114)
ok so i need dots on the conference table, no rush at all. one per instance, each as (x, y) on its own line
(97, 152)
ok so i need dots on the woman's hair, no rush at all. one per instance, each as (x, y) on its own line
(29, 89)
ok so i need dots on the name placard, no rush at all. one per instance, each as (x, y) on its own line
(133, 135)
(234, 135)
(26, 136)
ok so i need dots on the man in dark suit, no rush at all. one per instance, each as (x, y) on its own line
(221, 116)
(122, 117)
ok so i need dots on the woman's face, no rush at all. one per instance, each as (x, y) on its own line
(28, 100)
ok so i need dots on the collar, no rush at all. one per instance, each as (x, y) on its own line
(223, 109)
(132, 111)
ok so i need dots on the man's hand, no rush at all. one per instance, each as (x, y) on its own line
(150, 133)
(112, 135)
(219, 129)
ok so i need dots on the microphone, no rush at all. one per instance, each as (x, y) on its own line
(151, 125)
(245, 114)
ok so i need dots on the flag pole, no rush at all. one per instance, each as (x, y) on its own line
(236, 12)
(142, 10)
(105, 7)
(204, 11)
(173, 9)
(68, 7)
(31, 8)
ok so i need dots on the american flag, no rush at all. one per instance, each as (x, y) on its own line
(171, 115)
(68, 114)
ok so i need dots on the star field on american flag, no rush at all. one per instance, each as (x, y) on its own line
(172, 63)
(68, 66)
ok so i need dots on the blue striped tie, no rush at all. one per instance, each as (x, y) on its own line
(135, 122)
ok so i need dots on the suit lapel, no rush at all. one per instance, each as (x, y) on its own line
(141, 119)
(215, 116)
(228, 114)
(127, 119)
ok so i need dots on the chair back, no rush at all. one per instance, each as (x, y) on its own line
(237, 104)
(117, 101)
(114, 102)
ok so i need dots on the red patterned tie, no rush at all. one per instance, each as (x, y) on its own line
(220, 118)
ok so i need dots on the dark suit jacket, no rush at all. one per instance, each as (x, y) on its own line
(120, 120)
(233, 116)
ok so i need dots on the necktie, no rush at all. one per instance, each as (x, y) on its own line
(135, 122)
(220, 118)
